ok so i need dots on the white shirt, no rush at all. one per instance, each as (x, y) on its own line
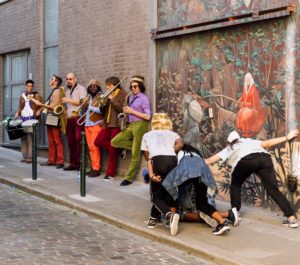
(244, 147)
(27, 111)
(159, 142)
(182, 154)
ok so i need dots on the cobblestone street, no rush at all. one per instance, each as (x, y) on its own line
(34, 231)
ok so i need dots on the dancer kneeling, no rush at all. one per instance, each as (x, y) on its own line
(192, 170)
(158, 147)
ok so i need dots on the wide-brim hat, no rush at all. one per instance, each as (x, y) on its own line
(161, 121)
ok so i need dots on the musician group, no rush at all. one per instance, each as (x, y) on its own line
(114, 120)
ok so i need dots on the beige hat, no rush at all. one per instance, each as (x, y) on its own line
(161, 121)
(94, 81)
(233, 136)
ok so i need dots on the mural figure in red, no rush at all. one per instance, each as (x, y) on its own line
(250, 117)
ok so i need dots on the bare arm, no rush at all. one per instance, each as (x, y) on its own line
(71, 101)
(212, 159)
(278, 140)
(153, 177)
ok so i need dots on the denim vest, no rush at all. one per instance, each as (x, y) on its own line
(191, 167)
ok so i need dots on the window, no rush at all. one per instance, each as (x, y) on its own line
(51, 41)
(16, 71)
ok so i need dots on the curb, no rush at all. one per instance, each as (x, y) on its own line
(204, 252)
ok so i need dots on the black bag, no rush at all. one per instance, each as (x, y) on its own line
(14, 129)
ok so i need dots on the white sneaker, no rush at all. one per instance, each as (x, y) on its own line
(174, 219)
(291, 224)
(233, 216)
(210, 221)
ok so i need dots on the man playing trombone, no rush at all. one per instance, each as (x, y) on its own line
(75, 93)
(113, 106)
(93, 124)
(137, 108)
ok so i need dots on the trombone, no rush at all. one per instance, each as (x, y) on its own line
(102, 101)
(82, 102)
(81, 120)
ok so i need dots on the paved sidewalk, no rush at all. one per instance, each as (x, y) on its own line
(260, 239)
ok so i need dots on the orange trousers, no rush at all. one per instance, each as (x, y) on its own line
(91, 133)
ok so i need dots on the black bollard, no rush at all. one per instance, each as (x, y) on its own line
(83, 166)
(34, 152)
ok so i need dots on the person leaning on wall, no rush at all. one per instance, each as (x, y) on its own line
(138, 111)
(75, 93)
(247, 156)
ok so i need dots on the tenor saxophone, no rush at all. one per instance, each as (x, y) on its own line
(122, 117)
(60, 110)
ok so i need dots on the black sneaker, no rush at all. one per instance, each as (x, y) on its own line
(174, 219)
(125, 182)
(233, 216)
(152, 223)
(221, 229)
(108, 178)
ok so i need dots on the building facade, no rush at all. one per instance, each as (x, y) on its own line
(194, 54)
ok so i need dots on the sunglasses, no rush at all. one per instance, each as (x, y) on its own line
(134, 86)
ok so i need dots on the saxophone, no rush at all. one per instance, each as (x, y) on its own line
(60, 110)
(122, 117)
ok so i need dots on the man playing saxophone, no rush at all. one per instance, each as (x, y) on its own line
(139, 113)
(74, 94)
(56, 147)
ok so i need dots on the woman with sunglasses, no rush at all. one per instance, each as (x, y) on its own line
(139, 113)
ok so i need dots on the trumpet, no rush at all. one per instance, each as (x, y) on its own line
(82, 103)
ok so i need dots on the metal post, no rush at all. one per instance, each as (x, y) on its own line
(83, 166)
(34, 152)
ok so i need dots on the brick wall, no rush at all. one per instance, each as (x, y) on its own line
(103, 38)
(21, 28)
(97, 39)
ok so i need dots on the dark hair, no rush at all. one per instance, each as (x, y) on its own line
(187, 148)
(58, 79)
(113, 80)
(99, 89)
(141, 84)
(233, 143)
(29, 81)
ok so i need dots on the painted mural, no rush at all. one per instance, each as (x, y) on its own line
(177, 12)
(243, 79)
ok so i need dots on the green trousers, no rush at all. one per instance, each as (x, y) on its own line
(131, 139)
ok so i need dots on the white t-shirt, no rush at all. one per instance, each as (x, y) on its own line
(182, 154)
(159, 142)
(244, 147)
